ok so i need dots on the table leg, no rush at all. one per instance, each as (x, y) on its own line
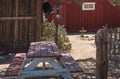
(43, 65)
(27, 61)
(57, 69)
(66, 75)
(32, 65)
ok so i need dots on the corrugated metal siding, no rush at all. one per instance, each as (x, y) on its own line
(74, 18)
(112, 15)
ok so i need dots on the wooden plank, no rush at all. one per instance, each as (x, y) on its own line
(18, 18)
(34, 23)
(34, 50)
(71, 64)
(3, 34)
(36, 73)
(7, 33)
(49, 50)
(55, 49)
(0, 31)
(41, 49)
(39, 19)
(15, 65)
(22, 26)
(16, 24)
(20, 55)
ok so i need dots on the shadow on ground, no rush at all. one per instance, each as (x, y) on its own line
(88, 66)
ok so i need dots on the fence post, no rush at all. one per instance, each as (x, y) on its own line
(102, 40)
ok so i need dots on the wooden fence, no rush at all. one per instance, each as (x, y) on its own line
(116, 41)
(108, 47)
(115, 47)
(20, 23)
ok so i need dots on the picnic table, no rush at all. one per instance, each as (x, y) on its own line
(44, 59)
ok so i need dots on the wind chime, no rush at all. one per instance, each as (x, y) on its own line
(114, 2)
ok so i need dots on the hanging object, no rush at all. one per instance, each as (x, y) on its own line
(47, 8)
(114, 2)
(70, 1)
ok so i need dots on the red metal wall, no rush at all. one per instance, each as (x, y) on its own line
(74, 18)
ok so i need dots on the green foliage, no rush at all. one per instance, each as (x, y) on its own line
(114, 2)
(48, 34)
(48, 31)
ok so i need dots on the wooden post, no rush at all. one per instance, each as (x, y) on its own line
(118, 33)
(102, 40)
(39, 20)
(82, 31)
(115, 34)
(119, 40)
(57, 21)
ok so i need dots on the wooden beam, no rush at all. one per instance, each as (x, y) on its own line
(18, 18)
(16, 24)
(102, 40)
(39, 20)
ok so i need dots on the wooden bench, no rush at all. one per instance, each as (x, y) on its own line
(15, 66)
(71, 64)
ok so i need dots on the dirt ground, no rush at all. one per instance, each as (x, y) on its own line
(83, 51)
(83, 47)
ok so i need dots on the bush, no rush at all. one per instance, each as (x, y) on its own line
(48, 34)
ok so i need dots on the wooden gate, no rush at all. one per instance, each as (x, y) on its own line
(20, 23)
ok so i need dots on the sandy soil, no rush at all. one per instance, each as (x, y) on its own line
(83, 47)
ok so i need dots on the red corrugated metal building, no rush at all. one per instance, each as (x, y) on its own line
(74, 17)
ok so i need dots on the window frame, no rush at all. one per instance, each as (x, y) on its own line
(83, 6)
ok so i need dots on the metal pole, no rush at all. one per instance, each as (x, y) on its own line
(57, 17)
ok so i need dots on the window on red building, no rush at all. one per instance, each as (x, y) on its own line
(88, 6)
